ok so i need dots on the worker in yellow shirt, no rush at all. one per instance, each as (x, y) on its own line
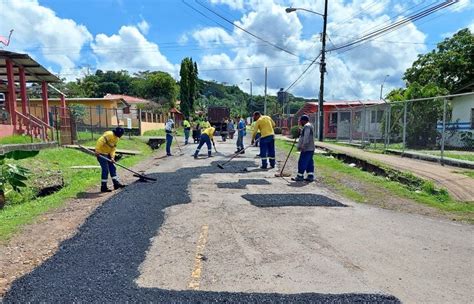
(207, 137)
(187, 129)
(106, 146)
(265, 124)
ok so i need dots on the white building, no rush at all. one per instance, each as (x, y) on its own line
(460, 128)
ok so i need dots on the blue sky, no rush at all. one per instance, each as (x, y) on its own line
(76, 36)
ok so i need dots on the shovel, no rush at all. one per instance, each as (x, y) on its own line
(142, 177)
(221, 166)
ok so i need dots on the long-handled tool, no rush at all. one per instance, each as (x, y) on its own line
(221, 166)
(177, 142)
(281, 173)
(136, 174)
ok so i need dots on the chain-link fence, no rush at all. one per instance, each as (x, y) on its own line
(439, 128)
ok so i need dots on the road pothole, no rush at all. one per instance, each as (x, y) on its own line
(284, 200)
(242, 183)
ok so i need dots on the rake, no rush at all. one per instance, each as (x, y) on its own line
(141, 177)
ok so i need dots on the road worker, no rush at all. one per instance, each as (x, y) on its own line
(106, 146)
(306, 147)
(169, 135)
(265, 124)
(207, 136)
(187, 129)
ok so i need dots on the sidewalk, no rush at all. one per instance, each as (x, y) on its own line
(460, 186)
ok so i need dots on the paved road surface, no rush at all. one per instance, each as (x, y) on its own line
(460, 186)
(183, 239)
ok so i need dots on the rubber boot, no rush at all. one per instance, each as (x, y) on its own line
(103, 188)
(118, 185)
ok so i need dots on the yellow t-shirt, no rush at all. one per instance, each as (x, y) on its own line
(209, 132)
(107, 144)
(264, 125)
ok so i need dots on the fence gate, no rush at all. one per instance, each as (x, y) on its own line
(67, 127)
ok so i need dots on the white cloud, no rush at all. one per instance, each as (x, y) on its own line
(354, 74)
(234, 4)
(130, 50)
(39, 31)
(461, 5)
(144, 27)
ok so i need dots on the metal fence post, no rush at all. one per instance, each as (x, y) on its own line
(106, 119)
(386, 127)
(404, 126)
(351, 127)
(389, 124)
(443, 135)
(56, 123)
(364, 126)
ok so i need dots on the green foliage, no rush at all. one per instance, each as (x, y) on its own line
(467, 138)
(295, 132)
(448, 66)
(78, 111)
(17, 139)
(13, 175)
(421, 133)
(157, 86)
(188, 85)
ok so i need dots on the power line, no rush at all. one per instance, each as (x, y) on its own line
(302, 74)
(248, 32)
(394, 26)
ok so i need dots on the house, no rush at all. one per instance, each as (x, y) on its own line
(99, 113)
(361, 119)
(460, 128)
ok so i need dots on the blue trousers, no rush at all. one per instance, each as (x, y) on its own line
(240, 141)
(204, 140)
(306, 163)
(169, 141)
(107, 167)
(257, 136)
(186, 136)
(267, 150)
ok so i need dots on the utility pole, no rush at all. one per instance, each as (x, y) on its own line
(265, 102)
(322, 69)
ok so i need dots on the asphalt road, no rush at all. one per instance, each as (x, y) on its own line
(146, 244)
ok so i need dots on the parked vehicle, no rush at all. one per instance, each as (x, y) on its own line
(216, 117)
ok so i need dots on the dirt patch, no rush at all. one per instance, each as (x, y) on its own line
(376, 196)
(37, 242)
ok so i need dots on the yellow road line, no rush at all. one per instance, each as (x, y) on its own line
(201, 244)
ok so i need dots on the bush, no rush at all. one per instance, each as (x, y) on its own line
(295, 132)
(277, 130)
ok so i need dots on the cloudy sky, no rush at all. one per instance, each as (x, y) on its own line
(74, 37)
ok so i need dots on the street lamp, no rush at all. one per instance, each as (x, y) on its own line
(322, 67)
(381, 86)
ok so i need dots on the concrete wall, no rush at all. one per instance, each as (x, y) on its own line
(462, 107)
(6, 130)
(147, 126)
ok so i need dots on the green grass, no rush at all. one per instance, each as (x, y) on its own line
(469, 173)
(14, 216)
(452, 154)
(332, 170)
(17, 139)
(161, 132)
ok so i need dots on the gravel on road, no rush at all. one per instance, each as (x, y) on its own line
(282, 200)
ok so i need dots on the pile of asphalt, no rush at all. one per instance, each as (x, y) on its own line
(100, 263)
(283, 200)
(242, 183)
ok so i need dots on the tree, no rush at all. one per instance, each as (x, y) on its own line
(448, 66)
(188, 85)
(157, 86)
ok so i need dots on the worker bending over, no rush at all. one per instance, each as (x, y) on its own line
(265, 124)
(207, 137)
(106, 146)
(306, 147)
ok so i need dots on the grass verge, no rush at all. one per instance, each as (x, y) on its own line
(332, 171)
(162, 133)
(17, 139)
(24, 211)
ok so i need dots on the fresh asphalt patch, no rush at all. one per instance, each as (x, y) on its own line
(101, 262)
(242, 183)
(284, 200)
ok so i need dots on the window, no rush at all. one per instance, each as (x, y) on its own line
(345, 116)
(333, 119)
(472, 118)
(376, 116)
